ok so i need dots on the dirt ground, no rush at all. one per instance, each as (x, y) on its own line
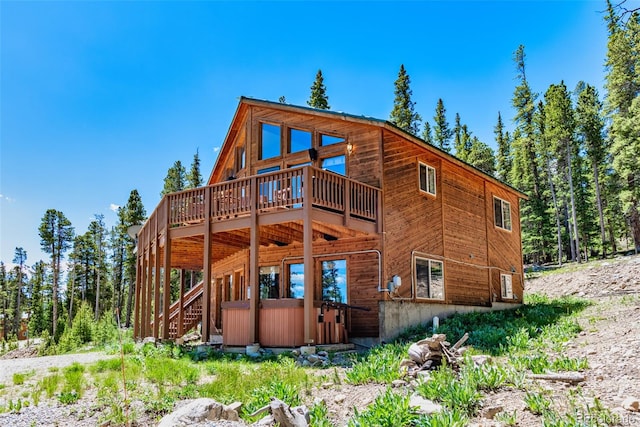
(610, 340)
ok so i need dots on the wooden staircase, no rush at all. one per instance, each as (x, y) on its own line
(191, 309)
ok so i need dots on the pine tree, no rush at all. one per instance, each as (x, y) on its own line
(4, 297)
(97, 236)
(56, 235)
(37, 320)
(457, 136)
(623, 106)
(133, 214)
(591, 129)
(194, 177)
(20, 259)
(482, 156)
(403, 114)
(441, 131)
(525, 174)
(427, 136)
(504, 159)
(319, 98)
(175, 179)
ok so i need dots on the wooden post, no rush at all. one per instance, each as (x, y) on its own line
(307, 238)
(137, 305)
(180, 330)
(156, 280)
(206, 285)
(166, 291)
(254, 281)
(147, 308)
(347, 202)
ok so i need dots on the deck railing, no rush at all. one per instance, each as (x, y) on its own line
(275, 190)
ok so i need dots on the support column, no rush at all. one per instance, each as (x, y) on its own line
(166, 291)
(307, 238)
(180, 329)
(206, 266)
(137, 304)
(156, 280)
(147, 307)
(254, 279)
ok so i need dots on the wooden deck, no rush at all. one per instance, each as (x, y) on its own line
(196, 228)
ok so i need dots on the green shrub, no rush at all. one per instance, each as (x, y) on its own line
(380, 365)
(388, 410)
(18, 378)
(444, 418)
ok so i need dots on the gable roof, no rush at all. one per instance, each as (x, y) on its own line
(245, 102)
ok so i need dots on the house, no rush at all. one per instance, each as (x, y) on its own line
(321, 227)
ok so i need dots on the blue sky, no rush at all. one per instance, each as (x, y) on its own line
(99, 98)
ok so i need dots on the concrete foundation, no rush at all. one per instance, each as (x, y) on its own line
(396, 316)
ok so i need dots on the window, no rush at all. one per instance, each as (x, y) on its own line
(269, 282)
(270, 142)
(505, 284)
(427, 176)
(296, 281)
(334, 281)
(299, 140)
(502, 213)
(330, 140)
(241, 158)
(429, 279)
(266, 189)
(335, 164)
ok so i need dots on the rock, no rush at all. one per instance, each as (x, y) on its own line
(313, 358)
(490, 411)
(327, 385)
(323, 353)
(480, 359)
(339, 398)
(151, 340)
(398, 383)
(631, 404)
(424, 406)
(199, 411)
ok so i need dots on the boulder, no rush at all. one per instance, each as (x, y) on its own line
(200, 411)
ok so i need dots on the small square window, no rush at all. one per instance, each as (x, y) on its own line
(270, 142)
(427, 177)
(299, 140)
(505, 284)
(502, 213)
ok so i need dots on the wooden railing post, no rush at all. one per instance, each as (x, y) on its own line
(347, 202)
(206, 285)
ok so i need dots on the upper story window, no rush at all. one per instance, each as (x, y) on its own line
(241, 158)
(502, 213)
(330, 140)
(299, 140)
(427, 177)
(429, 277)
(270, 141)
(335, 164)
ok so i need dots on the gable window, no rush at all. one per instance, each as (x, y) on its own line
(269, 282)
(296, 281)
(502, 213)
(427, 177)
(334, 281)
(241, 158)
(335, 164)
(330, 140)
(505, 284)
(270, 141)
(429, 278)
(299, 140)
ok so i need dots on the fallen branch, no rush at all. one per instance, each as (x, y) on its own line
(569, 377)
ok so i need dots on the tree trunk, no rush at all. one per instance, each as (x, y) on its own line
(603, 235)
(54, 293)
(634, 222)
(557, 212)
(573, 203)
(572, 246)
(130, 302)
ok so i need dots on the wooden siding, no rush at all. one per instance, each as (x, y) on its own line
(238, 316)
(412, 220)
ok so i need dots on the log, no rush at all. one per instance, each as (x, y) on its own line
(461, 341)
(568, 377)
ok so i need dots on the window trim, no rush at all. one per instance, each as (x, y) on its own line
(415, 277)
(428, 168)
(506, 289)
(502, 214)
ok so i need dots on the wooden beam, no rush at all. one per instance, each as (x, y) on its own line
(179, 330)
(309, 321)
(254, 281)
(206, 259)
(156, 286)
(147, 306)
(166, 291)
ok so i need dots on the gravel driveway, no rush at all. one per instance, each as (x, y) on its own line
(8, 367)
